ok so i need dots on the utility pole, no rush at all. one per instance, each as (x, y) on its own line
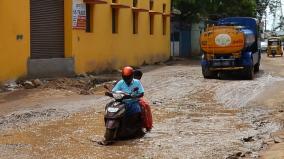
(265, 21)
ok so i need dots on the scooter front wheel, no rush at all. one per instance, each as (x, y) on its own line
(110, 135)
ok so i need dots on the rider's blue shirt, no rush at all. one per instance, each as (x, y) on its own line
(132, 104)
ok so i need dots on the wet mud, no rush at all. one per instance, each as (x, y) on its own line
(193, 118)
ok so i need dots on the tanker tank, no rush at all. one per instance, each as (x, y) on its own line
(226, 39)
(231, 45)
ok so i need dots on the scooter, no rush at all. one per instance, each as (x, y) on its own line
(114, 114)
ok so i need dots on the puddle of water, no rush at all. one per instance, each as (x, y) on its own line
(73, 137)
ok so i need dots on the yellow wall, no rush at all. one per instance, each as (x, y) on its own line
(14, 20)
(102, 49)
(96, 51)
(68, 28)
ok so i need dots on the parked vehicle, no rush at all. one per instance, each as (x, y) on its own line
(231, 45)
(274, 47)
(263, 46)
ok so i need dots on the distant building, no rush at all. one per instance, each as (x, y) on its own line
(185, 39)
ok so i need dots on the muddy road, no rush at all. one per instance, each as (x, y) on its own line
(193, 118)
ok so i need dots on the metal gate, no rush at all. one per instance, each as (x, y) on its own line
(47, 29)
(180, 43)
(175, 44)
(185, 43)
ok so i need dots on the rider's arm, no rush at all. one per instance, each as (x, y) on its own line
(134, 96)
(117, 86)
(109, 94)
(140, 92)
(114, 89)
(138, 95)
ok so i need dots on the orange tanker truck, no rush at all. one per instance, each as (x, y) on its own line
(231, 45)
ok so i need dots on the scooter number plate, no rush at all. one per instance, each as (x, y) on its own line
(112, 110)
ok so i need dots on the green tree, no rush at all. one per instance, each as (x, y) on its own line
(190, 10)
(193, 10)
(244, 8)
(261, 6)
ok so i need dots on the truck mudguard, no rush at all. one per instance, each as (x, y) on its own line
(246, 58)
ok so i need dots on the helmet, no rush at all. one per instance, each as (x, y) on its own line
(127, 74)
(127, 71)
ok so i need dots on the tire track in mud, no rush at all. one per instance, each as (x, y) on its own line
(20, 120)
(237, 94)
(211, 110)
(195, 130)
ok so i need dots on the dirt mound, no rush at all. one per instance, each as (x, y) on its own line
(81, 86)
(84, 86)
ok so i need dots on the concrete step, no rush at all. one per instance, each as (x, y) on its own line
(49, 68)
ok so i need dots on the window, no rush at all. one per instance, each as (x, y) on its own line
(114, 20)
(164, 25)
(151, 24)
(164, 20)
(89, 18)
(151, 18)
(135, 18)
(134, 3)
(135, 22)
(151, 4)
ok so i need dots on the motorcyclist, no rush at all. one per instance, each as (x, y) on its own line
(131, 125)
(146, 113)
(138, 74)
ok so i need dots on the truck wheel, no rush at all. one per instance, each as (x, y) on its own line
(207, 73)
(249, 73)
(256, 67)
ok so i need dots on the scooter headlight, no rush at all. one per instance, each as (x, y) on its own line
(112, 110)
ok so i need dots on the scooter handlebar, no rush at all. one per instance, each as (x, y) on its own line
(109, 94)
